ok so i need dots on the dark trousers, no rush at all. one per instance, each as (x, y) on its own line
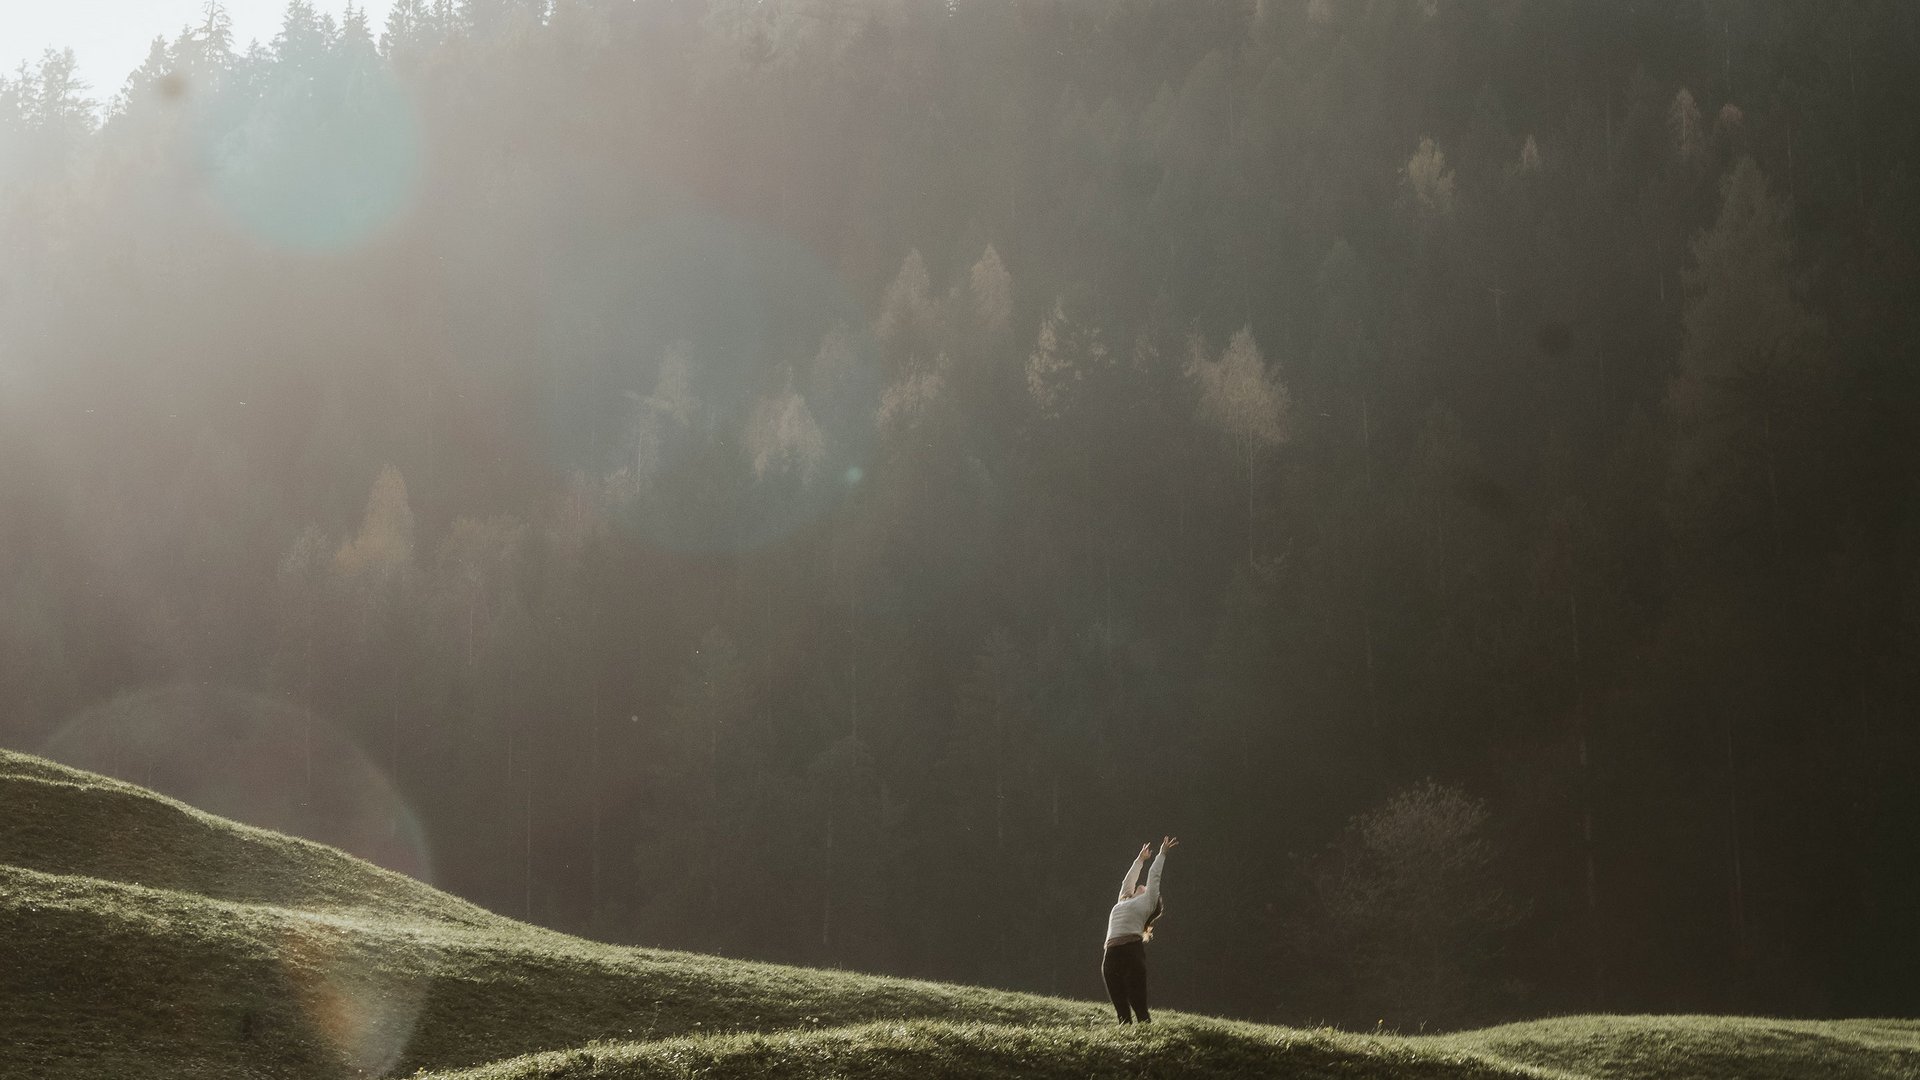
(1124, 967)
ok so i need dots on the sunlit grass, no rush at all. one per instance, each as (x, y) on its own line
(1180, 1046)
(144, 938)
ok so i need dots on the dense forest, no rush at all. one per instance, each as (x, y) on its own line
(823, 480)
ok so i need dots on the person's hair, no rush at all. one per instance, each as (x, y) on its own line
(1159, 909)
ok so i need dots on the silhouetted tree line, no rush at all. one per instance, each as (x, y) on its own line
(821, 480)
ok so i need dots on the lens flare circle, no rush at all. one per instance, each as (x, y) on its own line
(318, 160)
(253, 759)
(351, 991)
(263, 762)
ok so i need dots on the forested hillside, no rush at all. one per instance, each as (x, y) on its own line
(822, 480)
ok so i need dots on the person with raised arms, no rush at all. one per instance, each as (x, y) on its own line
(1123, 966)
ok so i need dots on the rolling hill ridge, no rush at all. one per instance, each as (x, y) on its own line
(145, 938)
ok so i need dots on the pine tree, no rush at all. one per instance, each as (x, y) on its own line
(992, 762)
(355, 33)
(1685, 128)
(704, 782)
(906, 320)
(907, 403)
(991, 735)
(383, 548)
(710, 707)
(204, 52)
(1426, 184)
(153, 80)
(476, 571)
(303, 37)
(301, 594)
(1752, 367)
(58, 106)
(1344, 348)
(783, 439)
(377, 566)
(990, 288)
(1244, 401)
(1064, 354)
(409, 30)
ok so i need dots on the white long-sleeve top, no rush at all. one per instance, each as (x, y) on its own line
(1129, 916)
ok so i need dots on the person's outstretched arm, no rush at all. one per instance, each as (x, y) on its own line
(1133, 872)
(1159, 864)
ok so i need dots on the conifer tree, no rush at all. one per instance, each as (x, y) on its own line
(1065, 353)
(1752, 367)
(1244, 401)
(990, 288)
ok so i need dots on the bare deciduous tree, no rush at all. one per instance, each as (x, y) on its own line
(1414, 911)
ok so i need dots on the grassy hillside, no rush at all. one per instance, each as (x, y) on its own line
(144, 938)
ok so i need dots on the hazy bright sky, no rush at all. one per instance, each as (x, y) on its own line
(111, 36)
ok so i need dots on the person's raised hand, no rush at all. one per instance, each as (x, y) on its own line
(1145, 851)
(1168, 842)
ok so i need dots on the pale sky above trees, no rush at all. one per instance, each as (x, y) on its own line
(110, 37)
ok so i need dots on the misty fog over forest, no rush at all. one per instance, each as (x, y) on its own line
(823, 480)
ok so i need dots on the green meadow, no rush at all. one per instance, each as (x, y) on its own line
(140, 937)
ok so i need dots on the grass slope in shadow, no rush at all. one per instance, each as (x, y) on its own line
(140, 937)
